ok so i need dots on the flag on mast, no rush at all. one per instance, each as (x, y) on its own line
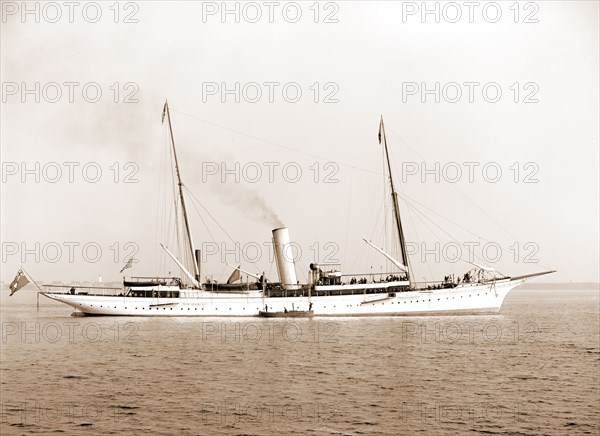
(129, 264)
(235, 276)
(19, 282)
(380, 129)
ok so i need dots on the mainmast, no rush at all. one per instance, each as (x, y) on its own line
(188, 234)
(395, 201)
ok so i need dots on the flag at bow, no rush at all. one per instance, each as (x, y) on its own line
(19, 282)
(235, 276)
(380, 129)
(129, 264)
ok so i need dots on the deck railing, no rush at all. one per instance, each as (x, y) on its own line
(82, 290)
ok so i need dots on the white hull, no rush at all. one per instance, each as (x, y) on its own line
(463, 299)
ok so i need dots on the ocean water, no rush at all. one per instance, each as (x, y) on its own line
(532, 369)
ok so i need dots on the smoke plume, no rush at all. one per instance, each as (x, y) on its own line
(247, 201)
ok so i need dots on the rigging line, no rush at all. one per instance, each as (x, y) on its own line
(421, 214)
(382, 211)
(412, 221)
(458, 190)
(274, 143)
(435, 234)
(348, 215)
(202, 219)
(158, 224)
(360, 255)
(209, 214)
(392, 237)
(364, 255)
(451, 237)
(168, 211)
(408, 200)
(385, 204)
(171, 231)
(167, 229)
(224, 272)
(383, 238)
(503, 248)
(175, 230)
(399, 191)
(176, 206)
(270, 269)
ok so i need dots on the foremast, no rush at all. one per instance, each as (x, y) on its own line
(397, 220)
(188, 234)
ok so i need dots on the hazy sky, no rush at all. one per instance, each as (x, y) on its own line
(528, 157)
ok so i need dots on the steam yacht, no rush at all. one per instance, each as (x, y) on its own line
(329, 291)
